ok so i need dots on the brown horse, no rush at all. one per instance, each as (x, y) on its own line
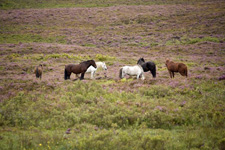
(176, 67)
(77, 69)
(38, 71)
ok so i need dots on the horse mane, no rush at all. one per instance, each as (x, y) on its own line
(168, 61)
(86, 61)
(141, 60)
(98, 63)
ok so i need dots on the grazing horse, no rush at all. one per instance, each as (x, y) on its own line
(92, 70)
(176, 67)
(136, 70)
(77, 69)
(38, 71)
(147, 66)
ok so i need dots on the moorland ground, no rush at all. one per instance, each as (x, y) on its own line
(110, 113)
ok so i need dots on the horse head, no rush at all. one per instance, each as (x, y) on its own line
(141, 61)
(167, 62)
(104, 66)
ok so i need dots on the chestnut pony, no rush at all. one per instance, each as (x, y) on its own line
(77, 69)
(176, 67)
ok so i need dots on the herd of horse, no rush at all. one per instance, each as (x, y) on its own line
(90, 66)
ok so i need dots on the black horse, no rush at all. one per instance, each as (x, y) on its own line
(77, 69)
(147, 66)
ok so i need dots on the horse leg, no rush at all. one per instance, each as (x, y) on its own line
(153, 71)
(123, 75)
(142, 76)
(186, 73)
(183, 72)
(138, 76)
(173, 74)
(82, 76)
(92, 74)
(170, 74)
(68, 75)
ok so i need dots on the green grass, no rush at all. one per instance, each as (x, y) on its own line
(15, 4)
(208, 39)
(89, 45)
(93, 138)
(98, 121)
(187, 40)
(101, 57)
(41, 57)
(28, 38)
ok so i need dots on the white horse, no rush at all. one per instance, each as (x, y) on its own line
(92, 70)
(136, 70)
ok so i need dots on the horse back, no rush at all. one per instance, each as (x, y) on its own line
(73, 68)
(145, 67)
(148, 66)
(77, 69)
(181, 65)
(172, 66)
(182, 68)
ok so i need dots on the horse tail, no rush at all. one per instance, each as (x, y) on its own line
(65, 74)
(37, 73)
(186, 72)
(120, 74)
(152, 67)
(40, 71)
(154, 71)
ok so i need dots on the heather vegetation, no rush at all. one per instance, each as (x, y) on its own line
(112, 113)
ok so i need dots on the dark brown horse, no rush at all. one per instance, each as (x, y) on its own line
(38, 71)
(77, 69)
(176, 67)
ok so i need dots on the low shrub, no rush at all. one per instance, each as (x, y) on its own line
(101, 57)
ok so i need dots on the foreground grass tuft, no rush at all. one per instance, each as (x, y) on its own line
(97, 116)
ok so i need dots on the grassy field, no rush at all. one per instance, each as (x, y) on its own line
(109, 113)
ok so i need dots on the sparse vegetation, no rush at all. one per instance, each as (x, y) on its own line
(101, 57)
(27, 38)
